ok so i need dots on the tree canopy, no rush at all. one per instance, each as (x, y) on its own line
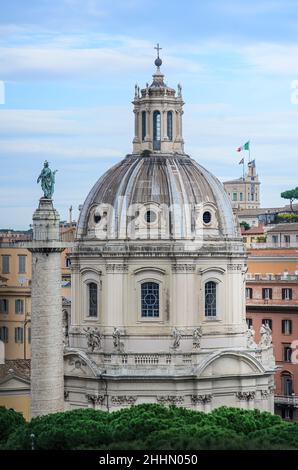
(290, 194)
(151, 427)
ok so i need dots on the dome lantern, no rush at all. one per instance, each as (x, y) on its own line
(158, 116)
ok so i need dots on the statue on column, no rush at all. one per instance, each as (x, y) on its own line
(116, 338)
(266, 336)
(177, 335)
(94, 338)
(196, 337)
(251, 344)
(47, 178)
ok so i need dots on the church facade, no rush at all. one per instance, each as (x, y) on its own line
(158, 280)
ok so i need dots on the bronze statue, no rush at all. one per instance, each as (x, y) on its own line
(47, 178)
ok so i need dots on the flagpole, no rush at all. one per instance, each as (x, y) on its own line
(249, 150)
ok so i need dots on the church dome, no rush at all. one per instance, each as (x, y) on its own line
(157, 192)
(187, 196)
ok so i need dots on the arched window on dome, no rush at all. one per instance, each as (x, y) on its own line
(210, 299)
(150, 299)
(170, 125)
(92, 299)
(143, 125)
(156, 130)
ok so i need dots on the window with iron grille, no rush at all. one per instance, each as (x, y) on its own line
(93, 299)
(150, 299)
(210, 299)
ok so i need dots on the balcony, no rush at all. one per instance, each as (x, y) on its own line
(271, 277)
(286, 400)
(266, 245)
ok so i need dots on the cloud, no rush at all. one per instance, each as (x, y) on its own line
(274, 58)
(49, 55)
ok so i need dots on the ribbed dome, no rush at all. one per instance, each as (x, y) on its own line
(176, 181)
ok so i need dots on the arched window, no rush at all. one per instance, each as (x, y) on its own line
(156, 130)
(93, 299)
(287, 382)
(210, 299)
(143, 125)
(170, 125)
(150, 299)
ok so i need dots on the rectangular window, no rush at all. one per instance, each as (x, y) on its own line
(286, 327)
(252, 196)
(267, 293)
(287, 238)
(241, 196)
(286, 293)
(29, 335)
(268, 322)
(249, 322)
(18, 335)
(3, 305)
(287, 353)
(4, 334)
(19, 306)
(234, 196)
(22, 264)
(248, 292)
(5, 264)
(274, 238)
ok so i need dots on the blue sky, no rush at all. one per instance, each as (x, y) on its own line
(70, 66)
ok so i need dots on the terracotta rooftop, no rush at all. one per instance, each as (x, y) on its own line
(259, 230)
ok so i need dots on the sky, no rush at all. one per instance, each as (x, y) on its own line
(68, 70)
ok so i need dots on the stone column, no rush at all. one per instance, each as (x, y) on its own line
(47, 376)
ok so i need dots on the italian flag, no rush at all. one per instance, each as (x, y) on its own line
(244, 147)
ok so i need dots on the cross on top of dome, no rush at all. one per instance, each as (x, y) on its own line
(158, 60)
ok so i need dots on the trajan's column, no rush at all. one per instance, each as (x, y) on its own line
(47, 383)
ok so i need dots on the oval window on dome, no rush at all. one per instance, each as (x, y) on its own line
(150, 217)
(207, 217)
